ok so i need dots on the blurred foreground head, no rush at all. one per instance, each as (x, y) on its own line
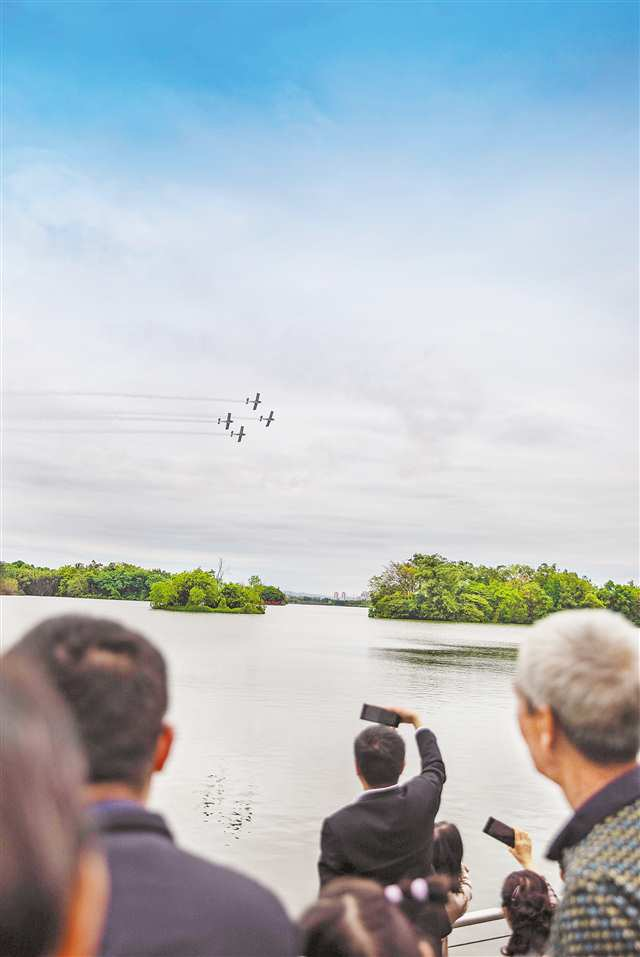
(353, 918)
(115, 683)
(578, 688)
(53, 883)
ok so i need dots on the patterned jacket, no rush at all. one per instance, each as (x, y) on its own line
(599, 914)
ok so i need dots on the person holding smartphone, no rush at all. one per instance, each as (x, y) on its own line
(387, 833)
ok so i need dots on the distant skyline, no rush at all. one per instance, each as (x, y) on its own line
(411, 227)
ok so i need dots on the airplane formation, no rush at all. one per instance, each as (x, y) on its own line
(147, 420)
(228, 419)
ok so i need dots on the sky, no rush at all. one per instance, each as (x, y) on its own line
(411, 226)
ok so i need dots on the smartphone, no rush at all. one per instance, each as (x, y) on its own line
(501, 832)
(370, 712)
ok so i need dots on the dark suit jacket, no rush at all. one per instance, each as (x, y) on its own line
(167, 903)
(387, 834)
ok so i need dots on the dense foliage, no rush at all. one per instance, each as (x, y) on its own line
(116, 580)
(191, 591)
(201, 591)
(431, 588)
(269, 594)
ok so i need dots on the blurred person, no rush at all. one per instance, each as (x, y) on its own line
(53, 880)
(578, 692)
(448, 852)
(387, 833)
(353, 918)
(164, 901)
(528, 908)
(424, 903)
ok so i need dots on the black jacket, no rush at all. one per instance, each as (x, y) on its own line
(168, 903)
(387, 834)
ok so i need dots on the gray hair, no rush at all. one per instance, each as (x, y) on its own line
(584, 666)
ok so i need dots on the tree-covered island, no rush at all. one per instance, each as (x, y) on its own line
(192, 591)
(431, 588)
(425, 587)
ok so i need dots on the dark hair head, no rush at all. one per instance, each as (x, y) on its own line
(448, 851)
(379, 754)
(525, 897)
(423, 902)
(115, 683)
(41, 824)
(353, 918)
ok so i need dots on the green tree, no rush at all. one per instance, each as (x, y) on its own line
(622, 598)
(273, 594)
(197, 596)
(163, 594)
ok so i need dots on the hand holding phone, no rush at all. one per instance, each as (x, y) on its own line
(501, 832)
(371, 712)
(522, 849)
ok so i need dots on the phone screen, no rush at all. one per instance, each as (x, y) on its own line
(371, 712)
(501, 832)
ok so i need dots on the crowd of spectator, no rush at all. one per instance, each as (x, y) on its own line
(87, 869)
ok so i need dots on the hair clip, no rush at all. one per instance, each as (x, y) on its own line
(516, 893)
(419, 889)
(393, 894)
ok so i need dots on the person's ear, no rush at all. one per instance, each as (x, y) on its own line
(547, 728)
(163, 747)
(87, 907)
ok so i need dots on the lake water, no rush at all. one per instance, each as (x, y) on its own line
(266, 708)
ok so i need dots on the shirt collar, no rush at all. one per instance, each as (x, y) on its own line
(371, 792)
(612, 797)
(123, 816)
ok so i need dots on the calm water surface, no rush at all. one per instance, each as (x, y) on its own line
(266, 707)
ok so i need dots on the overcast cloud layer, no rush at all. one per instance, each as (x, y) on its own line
(436, 292)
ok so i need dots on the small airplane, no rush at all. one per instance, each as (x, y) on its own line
(227, 421)
(241, 434)
(254, 402)
(267, 419)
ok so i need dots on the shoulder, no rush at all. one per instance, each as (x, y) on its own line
(610, 852)
(334, 823)
(599, 905)
(230, 885)
(147, 855)
(240, 902)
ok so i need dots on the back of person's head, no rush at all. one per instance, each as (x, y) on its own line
(115, 683)
(583, 665)
(379, 752)
(448, 851)
(53, 885)
(528, 908)
(353, 918)
(423, 902)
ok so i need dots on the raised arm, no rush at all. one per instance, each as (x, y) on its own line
(432, 765)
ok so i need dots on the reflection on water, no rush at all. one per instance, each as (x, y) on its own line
(266, 709)
(450, 655)
(234, 814)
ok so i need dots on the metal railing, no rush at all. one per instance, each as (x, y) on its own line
(477, 917)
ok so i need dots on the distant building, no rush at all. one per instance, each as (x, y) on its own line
(336, 595)
(344, 595)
